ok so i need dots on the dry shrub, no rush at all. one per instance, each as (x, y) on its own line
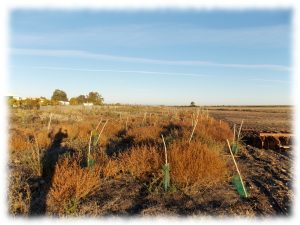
(196, 165)
(142, 134)
(112, 128)
(111, 168)
(43, 140)
(70, 182)
(219, 132)
(71, 128)
(18, 194)
(18, 142)
(211, 132)
(141, 161)
(81, 130)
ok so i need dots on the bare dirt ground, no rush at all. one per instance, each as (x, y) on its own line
(268, 173)
(256, 118)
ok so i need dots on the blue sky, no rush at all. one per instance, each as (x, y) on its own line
(167, 57)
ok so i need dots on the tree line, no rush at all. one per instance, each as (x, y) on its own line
(91, 97)
(58, 97)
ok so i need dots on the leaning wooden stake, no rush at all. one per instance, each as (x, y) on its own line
(99, 124)
(196, 122)
(166, 169)
(233, 133)
(49, 122)
(165, 147)
(101, 132)
(238, 137)
(126, 128)
(90, 141)
(38, 155)
(144, 118)
(237, 169)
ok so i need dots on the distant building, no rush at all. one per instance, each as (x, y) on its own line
(88, 104)
(14, 97)
(64, 102)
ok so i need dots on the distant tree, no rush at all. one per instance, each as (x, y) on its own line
(44, 101)
(81, 99)
(59, 95)
(54, 102)
(30, 103)
(73, 101)
(193, 104)
(95, 98)
(13, 102)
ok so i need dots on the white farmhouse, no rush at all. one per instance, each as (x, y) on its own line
(64, 102)
(88, 104)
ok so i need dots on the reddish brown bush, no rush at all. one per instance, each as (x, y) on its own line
(70, 181)
(195, 164)
(141, 161)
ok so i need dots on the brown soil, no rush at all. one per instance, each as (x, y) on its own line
(258, 119)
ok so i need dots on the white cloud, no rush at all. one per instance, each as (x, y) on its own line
(98, 56)
(123, 71)
(271, 80)
(159, 34)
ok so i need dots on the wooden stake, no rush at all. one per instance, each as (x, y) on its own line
(101, 131)
(38, 155)
(49, 122)
(237, 169)
(166, 156)
(233, 133)
(196, 122)
(126, 123)
(238, 137)
(193, 119)
(144, 117)
(89, 151)
(99, 124)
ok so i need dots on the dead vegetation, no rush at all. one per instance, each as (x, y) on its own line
(58, 169)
